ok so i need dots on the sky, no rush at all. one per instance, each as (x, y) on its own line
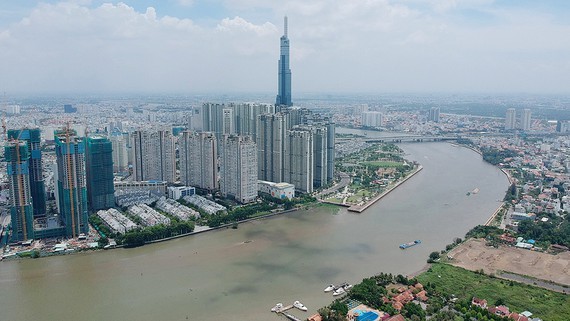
(337, 46)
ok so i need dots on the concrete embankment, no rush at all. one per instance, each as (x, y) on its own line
(224, 226)
(497, 211)
(362, 208)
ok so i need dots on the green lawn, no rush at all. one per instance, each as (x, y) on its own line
(383, 164)
(547, 305)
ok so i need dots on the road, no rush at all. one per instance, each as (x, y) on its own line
(344, 181)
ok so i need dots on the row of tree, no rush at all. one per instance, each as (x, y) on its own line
(141, 236)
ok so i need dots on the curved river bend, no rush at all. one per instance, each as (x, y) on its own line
(216, 276)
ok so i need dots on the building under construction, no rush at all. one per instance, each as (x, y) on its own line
(37, 185)
(71, 182)
(21, 209)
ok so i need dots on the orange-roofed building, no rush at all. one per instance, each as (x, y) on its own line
(315, 317)
(398, 317)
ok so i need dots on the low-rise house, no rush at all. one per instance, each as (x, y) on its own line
(517, 317)
(500, 310)
(482, 303)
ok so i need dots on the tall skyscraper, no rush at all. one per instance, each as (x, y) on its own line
(526, 119)
(331, 132)
(154, 155)
(434, 114)
(299, 163)
(228, 121)
(511, 119)
(120, 155)
(21, 208)
(271, 129)
(198, 160)
(320, 158)
(99, 167)
(284, 80)
(71, 182)
(37, 185)
(238, 168)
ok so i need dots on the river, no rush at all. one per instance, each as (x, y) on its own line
(218, 276)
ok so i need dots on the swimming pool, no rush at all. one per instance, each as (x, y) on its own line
(367, 316)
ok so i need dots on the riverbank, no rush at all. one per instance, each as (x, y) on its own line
(203, 230)
(362, 208)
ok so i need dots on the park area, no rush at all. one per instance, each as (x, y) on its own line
(372, 171)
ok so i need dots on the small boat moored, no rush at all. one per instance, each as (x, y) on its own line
(329, 288)
(277, 307)
(339, 291)
(299, 306)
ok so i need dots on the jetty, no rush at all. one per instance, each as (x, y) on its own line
(284, 312)
(290, 316)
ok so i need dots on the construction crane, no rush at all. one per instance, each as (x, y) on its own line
(4, 125)
(4, 109)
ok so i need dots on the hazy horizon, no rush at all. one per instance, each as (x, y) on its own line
(193, 47)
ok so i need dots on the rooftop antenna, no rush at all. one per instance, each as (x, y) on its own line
(285, 29)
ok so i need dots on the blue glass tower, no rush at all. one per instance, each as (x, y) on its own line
(284, 90)
(99, 173)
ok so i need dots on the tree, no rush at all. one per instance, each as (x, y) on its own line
(500, 301)
(433, 256)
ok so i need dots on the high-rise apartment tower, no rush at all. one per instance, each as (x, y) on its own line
(154, 155)
(511, 119)
(198, 160)
(525, 119)
(238, 168)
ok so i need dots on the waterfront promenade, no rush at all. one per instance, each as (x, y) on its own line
(363, 207)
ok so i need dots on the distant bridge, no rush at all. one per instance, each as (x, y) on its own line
(407, 139)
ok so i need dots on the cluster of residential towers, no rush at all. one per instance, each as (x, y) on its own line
(235, 146)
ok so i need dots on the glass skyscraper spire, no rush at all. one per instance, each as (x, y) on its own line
(284, 95)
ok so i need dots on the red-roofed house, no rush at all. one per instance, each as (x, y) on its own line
(517, 317)
(397, 305)
(422, 296)
(500, 310)
(315, 317)
(397, 317)
(482, 303)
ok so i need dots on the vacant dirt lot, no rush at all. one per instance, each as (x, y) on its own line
(474, 255)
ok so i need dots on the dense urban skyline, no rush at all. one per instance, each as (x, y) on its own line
(343, 46)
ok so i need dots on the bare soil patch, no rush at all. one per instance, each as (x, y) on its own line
(474, 255)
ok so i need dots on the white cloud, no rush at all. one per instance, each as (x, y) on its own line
(336, 45)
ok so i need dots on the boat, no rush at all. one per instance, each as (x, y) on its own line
(277, 307)
(409, 244)
(339, 291)
(475, 191)
(299, 306)
(329, 288)
(347, 287)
